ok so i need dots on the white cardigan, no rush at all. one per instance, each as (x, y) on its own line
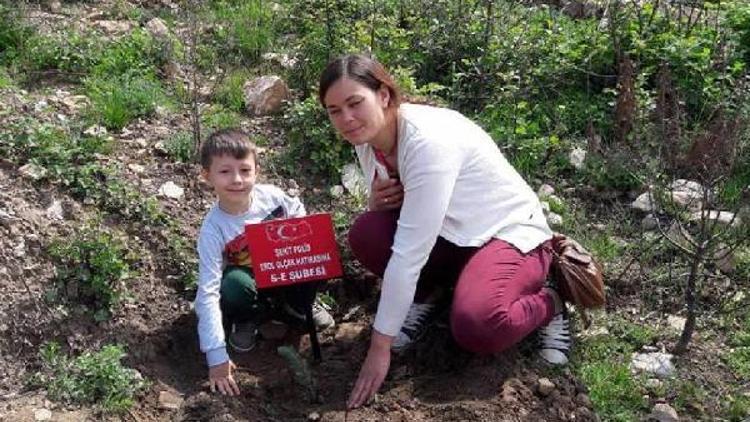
(457, 185)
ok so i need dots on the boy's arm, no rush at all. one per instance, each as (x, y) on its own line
(292, 205)
(210, 328)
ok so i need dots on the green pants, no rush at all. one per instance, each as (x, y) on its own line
(241, 301)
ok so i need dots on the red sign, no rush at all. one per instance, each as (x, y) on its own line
(293, 250)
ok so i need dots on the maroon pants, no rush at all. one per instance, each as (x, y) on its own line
(498, 298)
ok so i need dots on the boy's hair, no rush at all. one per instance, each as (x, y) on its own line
(232, 142)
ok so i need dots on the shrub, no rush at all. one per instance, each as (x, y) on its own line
(181, 147)
(309, 134)
(91, 269)
(119, 99)
(242, 32)
(68, 51)
(97, 378)
(134, 53)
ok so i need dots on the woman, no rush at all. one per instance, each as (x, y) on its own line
(445, 208)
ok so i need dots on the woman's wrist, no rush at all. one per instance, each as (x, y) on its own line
(380, 341)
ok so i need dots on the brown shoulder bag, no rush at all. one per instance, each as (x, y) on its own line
(579, 277)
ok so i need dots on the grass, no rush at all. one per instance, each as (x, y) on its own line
(97, 378)
(117, 100)
(5, 79)
(230, 93)
(181, 147)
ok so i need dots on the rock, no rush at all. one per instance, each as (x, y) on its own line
(273, 330)
(33, 171)
(264, 95)
(644, 202)
(663, 412)
(314, 416)
(171, 190)
(54, 6)
(676, 323)
(649, 223)
(96, 131)
(680, 236)
(55, 211)
(158, 29)
(722, 217)
(169, 400)
(353, 180)
(554, 219)
(113, 27)
(688, 194)
(336, 191)
(545, 386)
(724, 259)
(577, 157)
(74, 102)
(42, 415)
(545, 190)
(283, 59)
(654, 383)
(349, 331)
(160, 149)
(136, 168)
(40, 106)
(657, 363)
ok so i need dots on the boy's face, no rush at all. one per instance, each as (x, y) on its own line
(233, 180)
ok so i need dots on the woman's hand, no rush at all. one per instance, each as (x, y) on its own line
(386, 195)
(220, 378)
(373, 371)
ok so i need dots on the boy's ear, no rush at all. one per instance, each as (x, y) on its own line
(204, 175)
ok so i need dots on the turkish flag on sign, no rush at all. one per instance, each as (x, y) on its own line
(293, 250)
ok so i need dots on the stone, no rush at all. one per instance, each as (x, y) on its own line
(42, 415)
(171, 190)
(314, 416)
(583, 400)
(283, 59)
(353, 180)
(265, 94)
(96, 131)
(545, 190)
(649, 223)
(545, 386)
(663, 412)
(680, 236)
(675, 322)
(576, 157)
(55, 211)
(724, 259)
(113, 27)
(40, 106)
(644, 202)
(33, 171)
(136, 168)
(554, 219)
(688, 194)
(349, 331)
(657, 363)
(169, 400)
(158, 29)
(337, 191)
(722, 217)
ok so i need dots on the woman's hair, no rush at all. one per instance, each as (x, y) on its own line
(360, 69)
(232, 142)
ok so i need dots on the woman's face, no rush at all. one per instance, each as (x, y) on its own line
(357, 112)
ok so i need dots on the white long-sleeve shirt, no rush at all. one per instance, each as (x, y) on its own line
(222, 242)
(458, 185)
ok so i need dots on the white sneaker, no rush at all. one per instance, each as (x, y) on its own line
(321, 317)
(555, 341)
(414, 326)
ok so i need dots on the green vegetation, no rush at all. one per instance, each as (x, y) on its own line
(92, 267)
(230, 92)
(309, 134)
(97, 378)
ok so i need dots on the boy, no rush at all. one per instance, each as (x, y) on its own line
(226, 288)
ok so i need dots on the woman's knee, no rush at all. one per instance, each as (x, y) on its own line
(481, 331)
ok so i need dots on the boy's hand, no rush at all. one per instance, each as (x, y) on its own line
(386, 195)
(220, 378)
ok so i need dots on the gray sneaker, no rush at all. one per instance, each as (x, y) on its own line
(321, 317)
(243, 336)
